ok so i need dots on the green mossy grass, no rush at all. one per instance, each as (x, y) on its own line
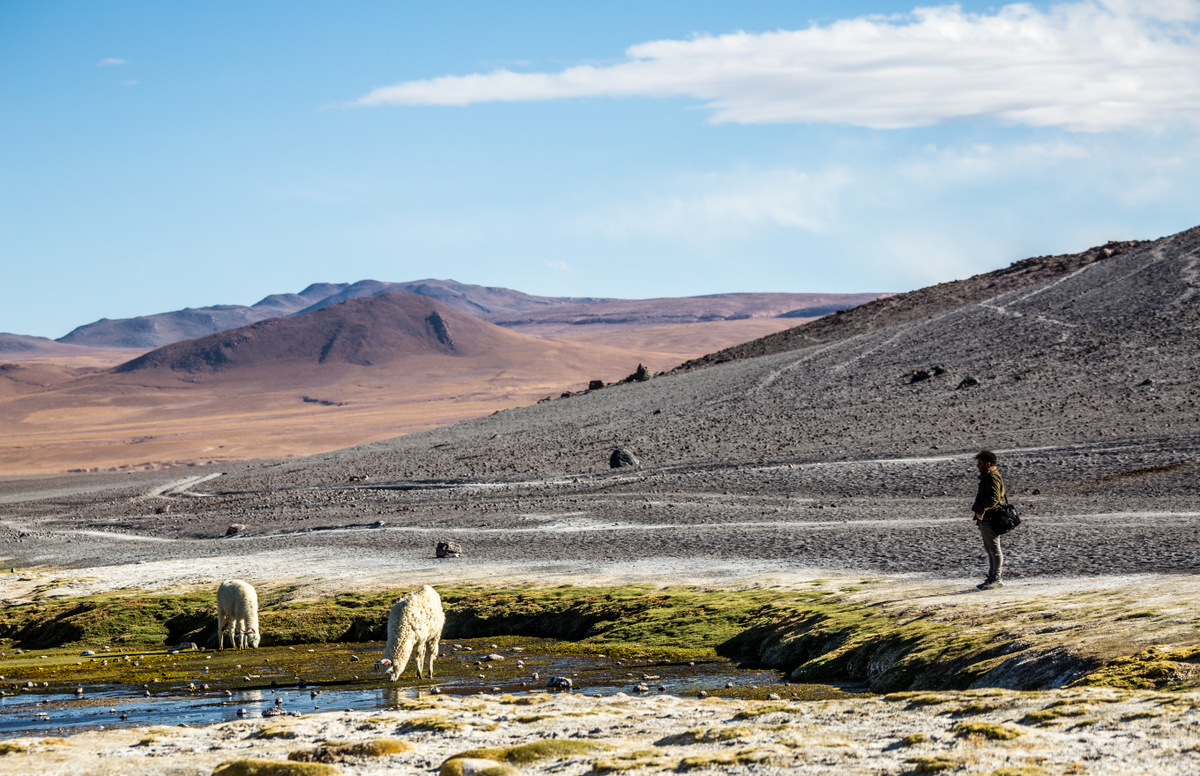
(349, 751)
(990, 730)
(273, 768)
(818, 633)
(523, 754)
(935, 764)
(723, 759)
(718, 735)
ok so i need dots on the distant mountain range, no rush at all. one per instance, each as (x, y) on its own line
(364, 331)
(505, 307)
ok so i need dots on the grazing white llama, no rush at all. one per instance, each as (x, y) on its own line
(415, 621)
(237, 611)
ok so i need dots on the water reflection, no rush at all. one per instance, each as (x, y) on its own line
(122, 705)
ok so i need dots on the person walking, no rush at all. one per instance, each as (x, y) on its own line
(989, 496)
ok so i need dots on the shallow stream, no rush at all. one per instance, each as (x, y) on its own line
(463, 669)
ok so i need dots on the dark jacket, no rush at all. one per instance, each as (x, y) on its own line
(991, 492)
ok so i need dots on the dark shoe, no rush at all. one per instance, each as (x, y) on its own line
(990, 584)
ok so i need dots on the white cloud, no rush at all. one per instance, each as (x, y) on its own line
(561, 266)
(130, 83)
(1096, 65)
(727, 205)
(111, 62)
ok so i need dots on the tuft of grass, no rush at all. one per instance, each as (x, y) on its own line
(522, 700)
(975, 707)
(1150, 669)
(1145, 714)
(990, 730)
(8, 747)
(917, 698)
(273, 768)
(434, 723)
(627, 762)
(935, 764)
(1143, 615)
(709, 736)
(274, 731)
(347, 751)
(556, 748)
(1052, 714)
(912, 739)
(723, 759)
(761, 711)
(1021, 770)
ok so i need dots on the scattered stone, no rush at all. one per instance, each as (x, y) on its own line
(559, 682)
(641, 688)
(641, 375)
(702, 694)
(774, 697)
(494, 656)
(449, 550)
(595, 385)
(622, 457)
(967, 382)
(235, 528)
(87, 652)
(378, 524)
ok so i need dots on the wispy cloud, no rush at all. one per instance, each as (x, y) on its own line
(726, 205)
(111, 62)
(561, 266)
(1096, 65)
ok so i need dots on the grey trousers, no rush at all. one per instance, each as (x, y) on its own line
(991, 545)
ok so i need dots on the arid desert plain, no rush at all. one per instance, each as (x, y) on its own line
(801, 505)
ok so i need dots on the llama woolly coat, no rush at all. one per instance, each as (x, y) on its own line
(415, 623)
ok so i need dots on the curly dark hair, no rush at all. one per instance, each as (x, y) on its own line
(987, 456)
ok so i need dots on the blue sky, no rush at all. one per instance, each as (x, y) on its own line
(157, 155)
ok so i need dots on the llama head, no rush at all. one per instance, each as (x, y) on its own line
(255, 637)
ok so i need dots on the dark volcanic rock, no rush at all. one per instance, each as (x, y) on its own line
(622, 457)
(449, 550)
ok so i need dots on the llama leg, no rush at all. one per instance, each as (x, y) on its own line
(420, 659)
(400, 661)
(433, 653)
(220, 630)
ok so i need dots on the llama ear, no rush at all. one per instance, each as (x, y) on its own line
(386, 662)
